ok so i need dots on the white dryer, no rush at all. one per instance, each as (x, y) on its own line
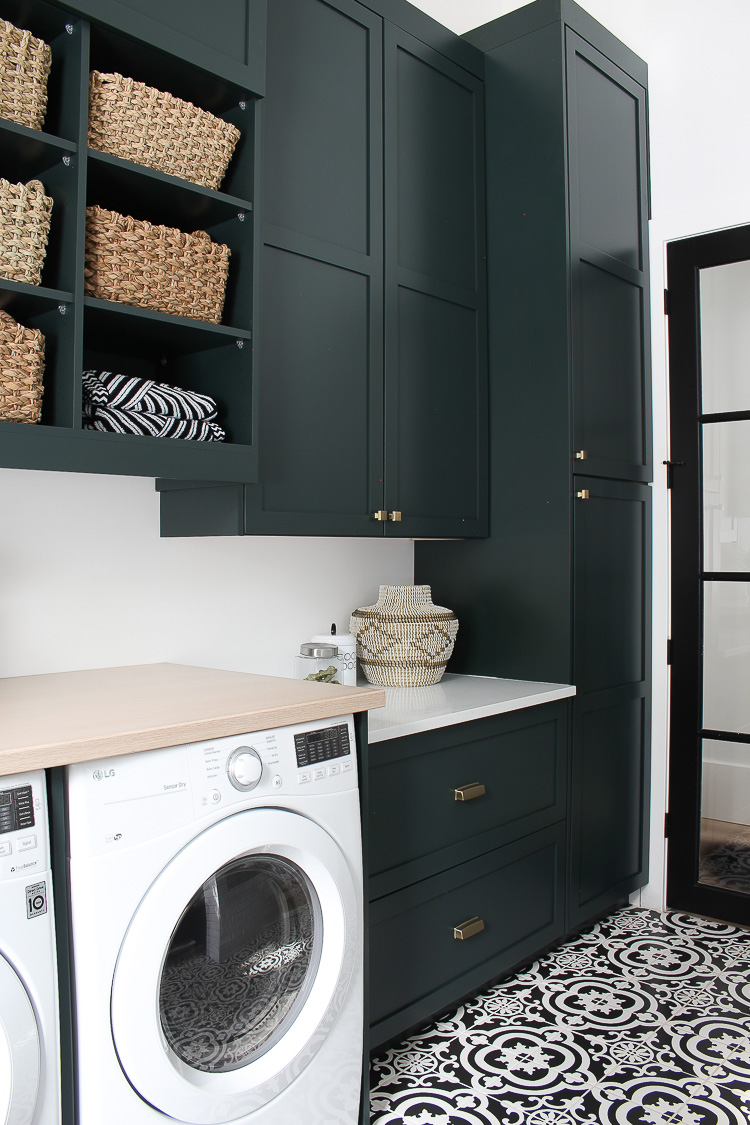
(216, 927)
(29, 1036)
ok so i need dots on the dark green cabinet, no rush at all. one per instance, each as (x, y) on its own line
(371, 341)
(559, 590)
(85, 332)
(435, 862)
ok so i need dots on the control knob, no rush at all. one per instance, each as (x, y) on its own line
(244, 768)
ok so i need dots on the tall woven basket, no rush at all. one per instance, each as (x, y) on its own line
(21, 371)
(154, 267)
(404, 640)
(25, 214)
(24, 69)
(151, 127)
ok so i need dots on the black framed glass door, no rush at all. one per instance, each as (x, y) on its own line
(709, 788)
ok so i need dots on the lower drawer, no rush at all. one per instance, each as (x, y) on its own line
(416, 964)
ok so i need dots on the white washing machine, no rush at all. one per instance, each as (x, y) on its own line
(29, 1036)
(216, 928)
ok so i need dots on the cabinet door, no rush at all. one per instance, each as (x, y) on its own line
(610, 749)
(435, 323)
(607, 160)
(319, 346)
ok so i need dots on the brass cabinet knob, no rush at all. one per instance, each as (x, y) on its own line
(470, 792)
(380, 515)
(582, 455)
(583, 494)
(468, 929)
(395, 516)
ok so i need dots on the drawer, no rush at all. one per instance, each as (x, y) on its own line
(417, 827)
(416, 964)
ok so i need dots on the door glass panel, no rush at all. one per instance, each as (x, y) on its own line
(726, 656)
(726, 496)
(240, 963)
(725, 337)
(725, 815)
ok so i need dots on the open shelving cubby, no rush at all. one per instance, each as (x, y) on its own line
(83, 332)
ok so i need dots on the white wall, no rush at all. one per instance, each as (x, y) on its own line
(86, 582)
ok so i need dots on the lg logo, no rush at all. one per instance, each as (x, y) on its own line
(101, 775)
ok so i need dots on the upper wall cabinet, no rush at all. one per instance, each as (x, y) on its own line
(370, 347)
(83, 331)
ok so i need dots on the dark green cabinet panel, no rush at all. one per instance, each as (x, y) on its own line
(435, 456)
(315, 319)
(416, 825)
(416, 964)
(612, 541)
(560, 589)
(608, 179)
(609, 802)
(316, 122)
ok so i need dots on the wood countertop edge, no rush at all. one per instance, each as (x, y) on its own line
(111, 740)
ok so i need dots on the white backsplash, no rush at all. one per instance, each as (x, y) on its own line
(86, 582)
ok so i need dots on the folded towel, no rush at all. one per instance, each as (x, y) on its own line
(123, 392)
(107, 420)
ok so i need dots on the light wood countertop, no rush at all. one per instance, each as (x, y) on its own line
(63, 717)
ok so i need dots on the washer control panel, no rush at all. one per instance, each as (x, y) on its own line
(23, 824)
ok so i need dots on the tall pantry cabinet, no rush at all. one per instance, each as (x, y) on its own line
(560, 589)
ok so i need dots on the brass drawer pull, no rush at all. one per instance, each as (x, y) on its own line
(381, 515)
(582, 455)
(468, 929)
(395, 517)
(470, 792)
(583, 494)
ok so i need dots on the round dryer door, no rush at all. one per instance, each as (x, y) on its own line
(19, 1050)
(235, 966)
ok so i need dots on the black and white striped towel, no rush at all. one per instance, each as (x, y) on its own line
(123, 392)
(108, 420)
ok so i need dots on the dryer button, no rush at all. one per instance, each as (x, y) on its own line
(319, 772)
(215, 797)
(6, 848)
(303, 777)
(276, 781)
(27, 843)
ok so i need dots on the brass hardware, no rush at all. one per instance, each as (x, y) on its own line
(395, 516)
(584, 494)
(582, 455)
(468, 929)
(470, 792)
(380, 515)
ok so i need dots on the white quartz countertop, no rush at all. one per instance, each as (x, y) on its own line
(456, 699)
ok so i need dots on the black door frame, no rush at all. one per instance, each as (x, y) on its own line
(685, 258)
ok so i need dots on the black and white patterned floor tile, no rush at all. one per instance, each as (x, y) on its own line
(642, 1020)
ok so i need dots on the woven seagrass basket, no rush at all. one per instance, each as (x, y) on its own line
(150, 127)
(154, 267)
(21, 371)
(404, 640)
(24, 70)
(25, 213)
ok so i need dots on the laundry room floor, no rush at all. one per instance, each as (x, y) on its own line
(644, 1019)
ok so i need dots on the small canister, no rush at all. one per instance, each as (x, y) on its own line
(319, 662)
(346, 643)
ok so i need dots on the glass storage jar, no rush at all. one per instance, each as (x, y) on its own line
(319, 662)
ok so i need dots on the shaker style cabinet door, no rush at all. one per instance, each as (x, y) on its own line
(607, 167)
(611, 712)
(319, 344)
(435, 294)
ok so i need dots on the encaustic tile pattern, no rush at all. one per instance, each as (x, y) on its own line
(644, 1019)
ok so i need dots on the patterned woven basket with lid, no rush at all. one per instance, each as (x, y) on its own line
(21, 371)
(153, 128)
(154, 267)
(24, 69)
(404, 640)
(25, 214)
